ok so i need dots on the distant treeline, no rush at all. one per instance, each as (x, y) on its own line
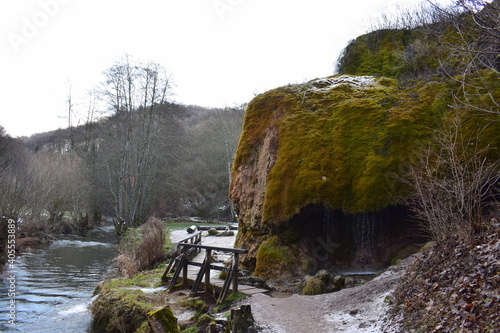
(146, 157)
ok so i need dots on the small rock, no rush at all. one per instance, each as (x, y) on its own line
(163, 320)
(253, 281)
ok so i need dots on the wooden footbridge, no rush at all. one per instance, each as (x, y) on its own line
(195, 262)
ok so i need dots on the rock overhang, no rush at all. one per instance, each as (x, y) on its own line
(339, 143)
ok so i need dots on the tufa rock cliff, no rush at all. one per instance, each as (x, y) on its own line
(318, 172)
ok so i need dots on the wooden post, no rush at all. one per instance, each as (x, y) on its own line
(185, 271)
(235, 272)
(207, 273)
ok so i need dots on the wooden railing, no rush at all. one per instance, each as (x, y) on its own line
(193, 239)
(183, 260)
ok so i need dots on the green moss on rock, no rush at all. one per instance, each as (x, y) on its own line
(342, 142)
(164, 319)
(274, 258)
(397, 53)
(120, 310)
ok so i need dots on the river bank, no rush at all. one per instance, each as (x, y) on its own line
(124, 303)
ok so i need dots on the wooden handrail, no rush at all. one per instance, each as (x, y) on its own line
(185, 240)
(206, 247)
(191, 244)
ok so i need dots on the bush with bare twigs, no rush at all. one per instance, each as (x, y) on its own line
(453, 181)
(142, 248)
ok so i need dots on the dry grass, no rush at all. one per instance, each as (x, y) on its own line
(142, 249)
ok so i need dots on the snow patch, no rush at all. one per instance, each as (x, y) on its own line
(152, 290)
(358, 82)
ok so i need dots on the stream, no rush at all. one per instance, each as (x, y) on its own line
(54, 285)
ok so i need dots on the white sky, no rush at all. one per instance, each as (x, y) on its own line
(218, 52)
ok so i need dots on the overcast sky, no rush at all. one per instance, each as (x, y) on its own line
(218, 52)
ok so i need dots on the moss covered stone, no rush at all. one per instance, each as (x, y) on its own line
(273, 258)
(120, 310)
(338, 145)
(341, 142)
(163, 319)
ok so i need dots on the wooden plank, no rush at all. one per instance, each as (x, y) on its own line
(212, 266)
(207, 271)
(196, 237)
(252, 291)
(201, 273)
(225, 287)
(214, 248)
(205, 228)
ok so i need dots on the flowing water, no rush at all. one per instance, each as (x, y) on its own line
(54, 285)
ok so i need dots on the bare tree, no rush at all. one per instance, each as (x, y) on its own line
(204, 167)
(227, 124)
(135, 93)
(14, 172)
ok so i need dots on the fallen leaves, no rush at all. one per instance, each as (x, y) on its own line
(454, 286)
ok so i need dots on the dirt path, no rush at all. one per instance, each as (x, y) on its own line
(360, 309)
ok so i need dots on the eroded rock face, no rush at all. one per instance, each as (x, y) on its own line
(318, 172)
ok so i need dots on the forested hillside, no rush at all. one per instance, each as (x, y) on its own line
(141, 156)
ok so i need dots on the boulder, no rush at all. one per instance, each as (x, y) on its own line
(253, 281)
(163, 321)
(321, 283)
(212, 232)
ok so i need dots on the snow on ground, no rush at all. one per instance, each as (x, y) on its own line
(361, 309)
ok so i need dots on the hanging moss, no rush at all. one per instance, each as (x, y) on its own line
(343, 142)
(343, 147)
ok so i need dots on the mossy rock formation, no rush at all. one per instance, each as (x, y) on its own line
(319, 172)
(318, 169)
(163, 320)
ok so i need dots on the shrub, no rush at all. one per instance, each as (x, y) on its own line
(141, 250)
(453, 181)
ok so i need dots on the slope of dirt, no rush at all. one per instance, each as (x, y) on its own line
(454, 286)
(359, 309)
